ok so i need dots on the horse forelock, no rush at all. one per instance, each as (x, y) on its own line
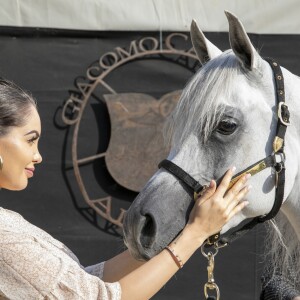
(205, 97)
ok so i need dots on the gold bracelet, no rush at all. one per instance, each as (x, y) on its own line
(176, 258)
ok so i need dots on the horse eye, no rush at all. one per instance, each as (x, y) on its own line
(226, 127)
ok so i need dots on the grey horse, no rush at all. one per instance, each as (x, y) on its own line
(226, 116)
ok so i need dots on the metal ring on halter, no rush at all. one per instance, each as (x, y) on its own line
(211, 286)
(206, 254)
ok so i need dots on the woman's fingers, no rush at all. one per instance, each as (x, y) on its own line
(236, 188)
(209, 191)
(237, 209)
(238, 197)
(223, 186)
(211, 211)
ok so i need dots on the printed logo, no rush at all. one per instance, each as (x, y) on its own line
(136, 116)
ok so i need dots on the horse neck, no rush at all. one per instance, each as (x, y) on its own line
(293, 98)
(283, 244)
(291, 207)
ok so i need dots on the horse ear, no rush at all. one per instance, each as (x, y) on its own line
(204, 49)
(241, 44)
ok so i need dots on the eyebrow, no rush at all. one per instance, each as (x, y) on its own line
(33, 131)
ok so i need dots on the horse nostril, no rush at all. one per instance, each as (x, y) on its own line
(148, 232)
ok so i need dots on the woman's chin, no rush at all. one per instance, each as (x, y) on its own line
(16, 187)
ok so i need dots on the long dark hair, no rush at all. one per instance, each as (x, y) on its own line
(15, 105)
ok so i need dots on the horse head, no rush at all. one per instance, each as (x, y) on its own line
(226, 116)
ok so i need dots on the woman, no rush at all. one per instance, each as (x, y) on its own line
(36, 266)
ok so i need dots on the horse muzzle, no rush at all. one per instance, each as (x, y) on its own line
(156, 216)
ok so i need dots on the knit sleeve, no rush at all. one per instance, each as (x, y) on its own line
(30, 268)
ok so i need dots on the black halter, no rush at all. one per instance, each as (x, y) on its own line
(275, 160)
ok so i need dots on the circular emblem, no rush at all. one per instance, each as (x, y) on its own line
(117, 114)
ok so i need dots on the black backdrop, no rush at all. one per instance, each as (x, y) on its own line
(46, 62)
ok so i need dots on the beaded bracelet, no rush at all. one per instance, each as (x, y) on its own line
(176, 258)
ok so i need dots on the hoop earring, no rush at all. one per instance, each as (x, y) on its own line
(1, 163)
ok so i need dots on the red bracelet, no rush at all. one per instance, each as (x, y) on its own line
(176, 258)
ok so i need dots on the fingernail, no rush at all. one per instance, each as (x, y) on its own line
(211, 184)
(233, 169)
(246, 203)
(248, 176)
(249, 187)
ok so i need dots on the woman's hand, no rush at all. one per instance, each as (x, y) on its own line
(211, 211)
(217, 206)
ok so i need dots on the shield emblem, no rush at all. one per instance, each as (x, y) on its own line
(136, 144)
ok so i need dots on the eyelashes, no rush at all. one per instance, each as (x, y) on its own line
(32, 140)
(227, 127)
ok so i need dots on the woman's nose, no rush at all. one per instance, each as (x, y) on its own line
(37, 158)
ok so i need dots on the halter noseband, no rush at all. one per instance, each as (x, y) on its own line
(275, 160)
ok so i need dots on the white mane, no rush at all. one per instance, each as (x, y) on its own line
(282, 249)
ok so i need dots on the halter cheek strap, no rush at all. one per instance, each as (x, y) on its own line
(275, 160)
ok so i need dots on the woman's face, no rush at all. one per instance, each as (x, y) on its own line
(19, 151)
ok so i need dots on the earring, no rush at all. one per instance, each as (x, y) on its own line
(1, 163)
